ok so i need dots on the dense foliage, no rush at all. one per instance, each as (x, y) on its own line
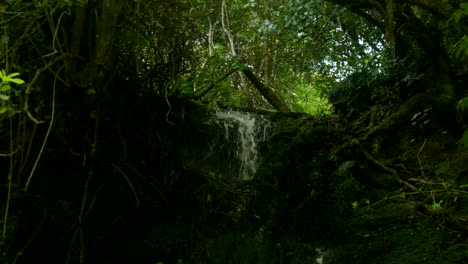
(95, 99)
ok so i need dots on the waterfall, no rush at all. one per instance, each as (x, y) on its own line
(243, 132)
(225, 145)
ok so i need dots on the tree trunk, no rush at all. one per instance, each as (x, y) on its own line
(266, 91)
(415, 38)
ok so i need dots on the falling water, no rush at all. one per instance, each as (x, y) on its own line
(237, 149)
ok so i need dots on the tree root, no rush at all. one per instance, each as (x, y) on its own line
(393, 172)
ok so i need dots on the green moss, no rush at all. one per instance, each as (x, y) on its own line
(456, 254)
(392, 243)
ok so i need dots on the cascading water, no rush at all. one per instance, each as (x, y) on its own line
(243, 132)
(226, 145)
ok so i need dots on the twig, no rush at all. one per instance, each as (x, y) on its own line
(205, 90)
(91, 205)
(83, 215)
(129, 183)
(81, 219)
(10, 175)
(225, 26)
(25, 155)
(54, 39)
(420, 163)
(152, 182)
(170, 107)
(423, 181)
(46, 136)
(402, 195)
(44, 217)
(33, 81)
(11, 153)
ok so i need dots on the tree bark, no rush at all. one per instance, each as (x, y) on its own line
(76, 38)
(103, 63)
(266, 91)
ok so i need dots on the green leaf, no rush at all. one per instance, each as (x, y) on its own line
(5, 88)
(4, 97)
(15, 80)
(437, 206)
(91, 91)
(3, 109)
(460, 47)
(464, 6)
(9, 78)
(13, 75)
(462, 104)
(463, 141)
(457, 16)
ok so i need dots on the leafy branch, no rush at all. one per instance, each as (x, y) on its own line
(5, 91)
(460, 49)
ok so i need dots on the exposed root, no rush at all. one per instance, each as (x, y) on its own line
(393, 172)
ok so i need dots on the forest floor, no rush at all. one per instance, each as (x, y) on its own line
(324, 193)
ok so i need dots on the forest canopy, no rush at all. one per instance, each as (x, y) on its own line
(207, 50)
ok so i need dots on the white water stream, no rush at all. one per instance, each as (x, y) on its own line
(243, 132)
